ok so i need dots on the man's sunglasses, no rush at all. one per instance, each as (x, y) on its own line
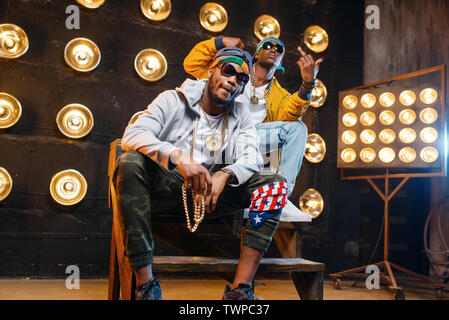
(268, 45)
(228, 70)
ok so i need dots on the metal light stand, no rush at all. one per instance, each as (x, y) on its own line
(386, 267)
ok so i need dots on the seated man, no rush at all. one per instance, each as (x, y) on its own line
(276, 112)
(197, 137)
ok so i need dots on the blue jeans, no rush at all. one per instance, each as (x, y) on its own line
(290, 137)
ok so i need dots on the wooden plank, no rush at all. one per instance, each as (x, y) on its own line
(309, 285)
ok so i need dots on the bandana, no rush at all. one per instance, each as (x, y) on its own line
(267, 201)
(277, 64)
(235, 60)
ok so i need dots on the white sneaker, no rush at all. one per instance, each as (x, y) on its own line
(289, 213)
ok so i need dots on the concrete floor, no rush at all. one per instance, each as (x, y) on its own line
(188, 289)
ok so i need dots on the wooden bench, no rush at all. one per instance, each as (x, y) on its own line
(307, 276)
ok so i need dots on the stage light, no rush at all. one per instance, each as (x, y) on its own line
(387, 117)
(350, 102)
(91, 4)
(367, 136)
(75, 121)
(387, 155)
(428, 135)
(368, 118)
(367, 155)
(5, 183)
(407, 154)
(82, 54)
(13, 41)
(316, 39)
(368, 100)
(311, 202)
(407, 116)
(349, 137)
(150, 65)
(319, 94)
(387, 99)
(387, 136)
(68, 187)
(156, 10)
(213, 17)
(134, 117)
(348, 155)
(407, 135)
(428, 95)
(428, 115)
(429, 154)
(266, 26)
(349, 119)
(10, 110)
(315, 149)
(407, 98)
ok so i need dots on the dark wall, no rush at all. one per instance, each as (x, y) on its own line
(40, 238)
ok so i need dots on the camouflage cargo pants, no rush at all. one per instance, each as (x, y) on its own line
(146, 190)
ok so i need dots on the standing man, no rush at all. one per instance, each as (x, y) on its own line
(197, 138)
(276, 113)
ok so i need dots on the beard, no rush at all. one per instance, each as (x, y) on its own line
(220, 102)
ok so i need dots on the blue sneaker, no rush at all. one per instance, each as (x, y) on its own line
(149, 291)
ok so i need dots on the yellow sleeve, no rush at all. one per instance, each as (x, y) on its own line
(200, 58)
(291, 107)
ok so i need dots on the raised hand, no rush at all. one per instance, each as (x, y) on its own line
(233, 42)
(309, 67)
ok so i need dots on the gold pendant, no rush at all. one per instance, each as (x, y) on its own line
(213, 143)
(254, 100)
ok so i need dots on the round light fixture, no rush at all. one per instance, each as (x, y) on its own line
(349, 119)
(150, 65)
(156, 10)
(367, 136)
(319, 94)
(407, 116)
(428, 135)
(5, 184)
(429, 154)
(13, 41)
(387, 155)
(311, 202)
(428, 115)
(407, 98)
(368, 100)
(91, 4)
(387, 117)
(68, 187)
(350, 102)
(315, 149)
(266, 26)
(316, 38)
(213, 17)
(407, 155)
(367, 155)
(348, 155)
(368, 118)
(387, 99)
(407, 135)
(428, 95)
(349, 137)
(75, 120)
(387, 136)
(10, 110)
(82, 54)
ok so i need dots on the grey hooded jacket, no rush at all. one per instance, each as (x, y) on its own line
(167, 124)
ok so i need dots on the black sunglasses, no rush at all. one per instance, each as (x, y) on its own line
(268, 45)
(228, 70)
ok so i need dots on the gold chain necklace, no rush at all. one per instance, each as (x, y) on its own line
(255, 99)
(213, 143)
(199, 206)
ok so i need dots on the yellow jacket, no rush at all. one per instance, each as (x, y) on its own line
(281, 104)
